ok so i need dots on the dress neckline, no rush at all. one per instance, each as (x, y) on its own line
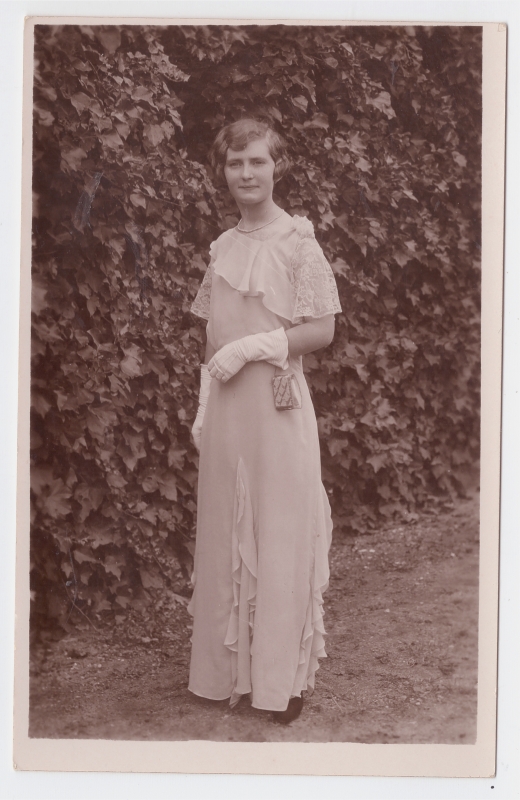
(279, 225)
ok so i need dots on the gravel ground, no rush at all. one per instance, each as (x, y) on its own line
(401, 617)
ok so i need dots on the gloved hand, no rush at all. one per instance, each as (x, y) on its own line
(205, 384)
(272, 347)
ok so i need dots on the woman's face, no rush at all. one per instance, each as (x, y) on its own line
(250, 173)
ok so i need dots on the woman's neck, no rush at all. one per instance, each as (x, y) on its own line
(258, 214)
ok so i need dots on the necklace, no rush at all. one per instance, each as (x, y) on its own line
(238, 228)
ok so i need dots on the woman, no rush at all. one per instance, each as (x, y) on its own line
(264, 524)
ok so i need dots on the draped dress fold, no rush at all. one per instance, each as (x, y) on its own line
(263, 517)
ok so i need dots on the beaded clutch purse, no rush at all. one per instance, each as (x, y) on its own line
(286, 392)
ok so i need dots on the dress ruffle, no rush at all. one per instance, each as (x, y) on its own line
(258, 268)
(244, 573)
(240, 631)
(285, 268)
(312, 645)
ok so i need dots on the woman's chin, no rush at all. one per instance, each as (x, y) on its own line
(248, 200)
(250, 195)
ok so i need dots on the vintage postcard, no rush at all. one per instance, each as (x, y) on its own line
(260, 386)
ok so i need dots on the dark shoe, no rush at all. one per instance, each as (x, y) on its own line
(293, 710)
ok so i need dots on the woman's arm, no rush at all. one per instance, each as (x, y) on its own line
(273, 347)
(311, 335)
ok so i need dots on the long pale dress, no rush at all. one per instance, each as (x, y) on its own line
(263, 521)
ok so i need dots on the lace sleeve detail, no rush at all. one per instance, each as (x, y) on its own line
(200, 306)
(315, 290)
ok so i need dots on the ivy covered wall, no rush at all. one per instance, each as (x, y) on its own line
(383, 127)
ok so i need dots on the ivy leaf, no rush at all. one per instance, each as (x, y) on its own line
(168, 486)
(144, 94)
(154, 134)
(300, 102)
(81, 557)
(131, 364)
(110, 38)
(138, 200)
(150, 580)
(40, 403)
(113, 565)
(377, 460)
(364, 165)
(89, 497)
(162, 420)
(116, 480)
(111, 140)
(150, 484)
(402, 258)
(319, 121)
(383, 102)
(38, 294)
(46, 118)
(55, 501)
(459, 159)
(74, 157)
(82, 101)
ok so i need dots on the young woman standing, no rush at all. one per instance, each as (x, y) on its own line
(264, 525)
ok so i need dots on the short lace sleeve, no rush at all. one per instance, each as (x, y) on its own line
(200, 306)
(315, 290)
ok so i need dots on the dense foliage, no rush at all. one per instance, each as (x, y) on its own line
(383, 124)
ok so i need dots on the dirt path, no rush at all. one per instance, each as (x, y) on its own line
(401, 613)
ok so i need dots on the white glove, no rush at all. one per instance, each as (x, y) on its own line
(272, 347)
(205, 384)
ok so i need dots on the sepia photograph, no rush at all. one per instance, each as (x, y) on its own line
(255, 430)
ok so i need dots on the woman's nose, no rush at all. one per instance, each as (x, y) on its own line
(247, 172)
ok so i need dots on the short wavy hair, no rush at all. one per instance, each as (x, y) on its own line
(237, 136)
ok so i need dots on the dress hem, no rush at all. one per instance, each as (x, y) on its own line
(206, 697)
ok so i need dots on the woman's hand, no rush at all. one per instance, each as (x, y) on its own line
(226, 362)
(271, 347)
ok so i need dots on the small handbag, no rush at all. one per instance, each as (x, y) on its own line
(286, 391)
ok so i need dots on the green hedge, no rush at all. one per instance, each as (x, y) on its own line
(383, 125)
